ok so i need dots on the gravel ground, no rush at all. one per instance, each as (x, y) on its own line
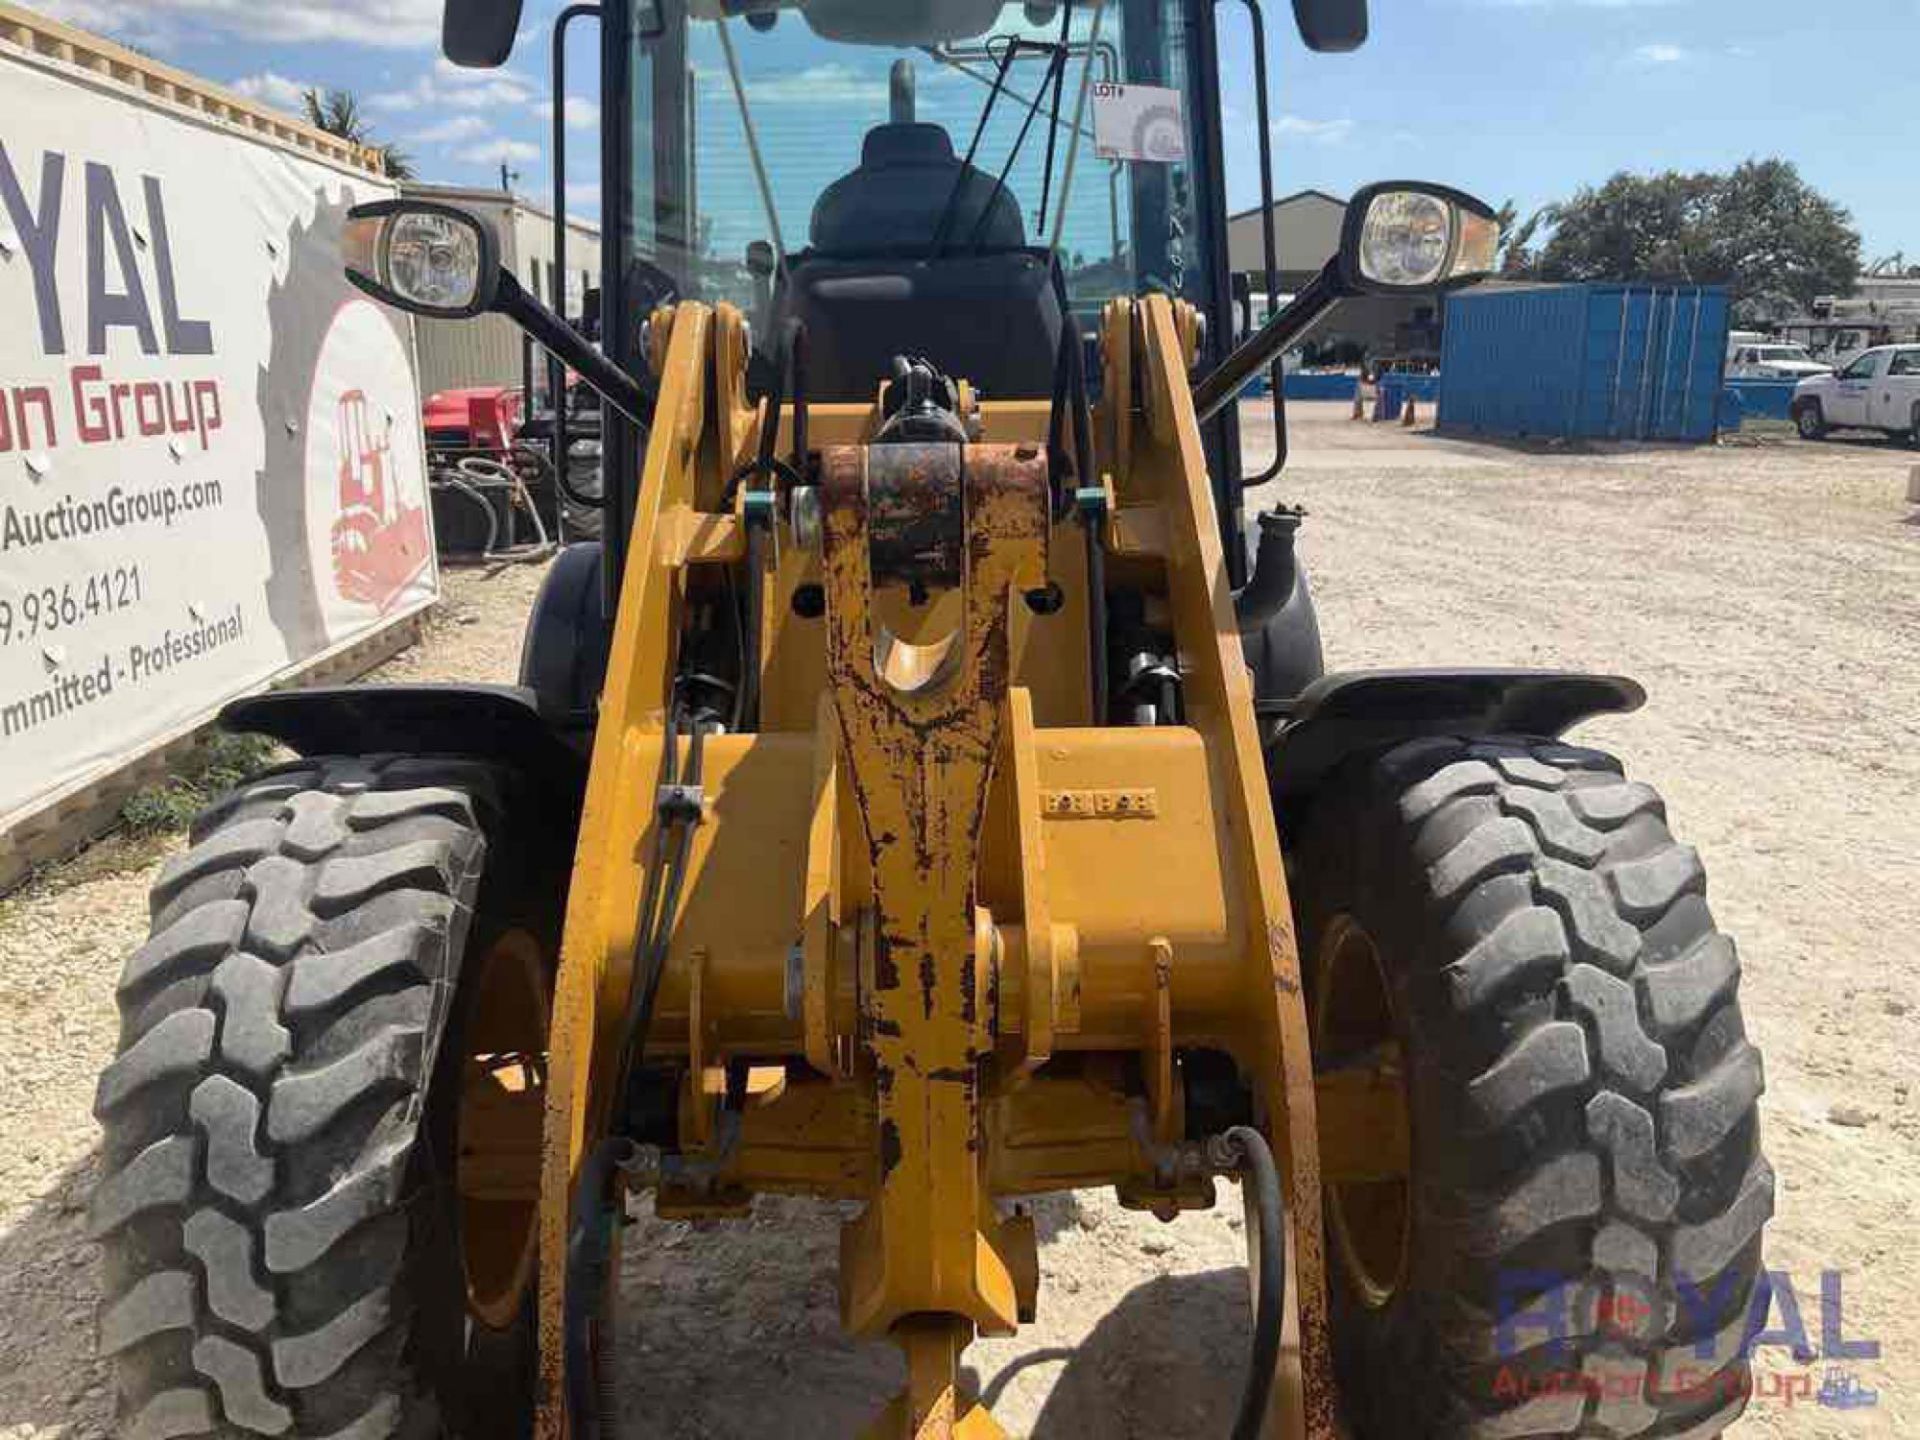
(1767, 594)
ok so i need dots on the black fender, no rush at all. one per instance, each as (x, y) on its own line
(500, 724)
(563, 659)
(1366, 711)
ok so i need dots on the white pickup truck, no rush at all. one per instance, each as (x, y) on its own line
(1772, 360)
(1878, 390)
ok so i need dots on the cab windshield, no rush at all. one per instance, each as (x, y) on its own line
(769, 136)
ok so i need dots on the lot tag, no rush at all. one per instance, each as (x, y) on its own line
(1138, 122)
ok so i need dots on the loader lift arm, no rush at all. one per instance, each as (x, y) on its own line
(966, 966)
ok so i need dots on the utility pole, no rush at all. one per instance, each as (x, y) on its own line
(507, 177)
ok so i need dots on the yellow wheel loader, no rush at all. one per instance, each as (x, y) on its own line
(927, 798)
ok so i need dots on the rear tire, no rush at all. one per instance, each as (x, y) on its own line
(278, 1209)
(1810, 421)
(1586, 1190)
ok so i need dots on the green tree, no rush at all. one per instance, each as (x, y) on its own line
(1633, 227)
(1772, 234)
(1761, 231)
(338, 113)
(1518, 259)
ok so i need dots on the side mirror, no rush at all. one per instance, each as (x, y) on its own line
(1404, 237)
(444, 263)
(1331, 25)
(421, 257)
(479, 34)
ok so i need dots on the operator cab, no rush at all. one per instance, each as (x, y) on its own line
(917, 251)
(937, 179)
(1058, 155)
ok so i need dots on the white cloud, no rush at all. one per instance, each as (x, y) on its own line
(498, 152)
(388, 24)
(828, 84)
(1659, 54)
(451, 130)
(446, 86)
(583, 192)
(445, 72)
(112, 18)
(582, 114)
(1314, 132)
(275, 89)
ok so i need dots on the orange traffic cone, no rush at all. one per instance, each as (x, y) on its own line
(1406, 413)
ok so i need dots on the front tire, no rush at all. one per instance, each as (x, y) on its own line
(1810, 420)
(279, 1208)
(1574, 1248)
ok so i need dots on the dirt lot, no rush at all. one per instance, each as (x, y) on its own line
(1768, 595)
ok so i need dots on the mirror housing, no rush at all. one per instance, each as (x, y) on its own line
(1409, 237)
(1400, 253)
(1331, 26)
(479, 34)
(422, 257)
(373, 249)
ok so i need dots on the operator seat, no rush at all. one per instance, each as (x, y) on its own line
(869, 286)
(892, 204)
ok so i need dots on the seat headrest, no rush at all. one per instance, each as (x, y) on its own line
(907, 144)
(893, 202)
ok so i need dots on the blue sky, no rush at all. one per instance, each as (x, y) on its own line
(1506, 98)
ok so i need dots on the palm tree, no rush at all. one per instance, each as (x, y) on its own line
(338, 113)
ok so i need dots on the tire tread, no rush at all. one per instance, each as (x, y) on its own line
(258, 1139)
(1559, 963)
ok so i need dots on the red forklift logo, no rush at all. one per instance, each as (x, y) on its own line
(379, 541)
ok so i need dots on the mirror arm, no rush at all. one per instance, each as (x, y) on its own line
(1267, 344)
(566, 344)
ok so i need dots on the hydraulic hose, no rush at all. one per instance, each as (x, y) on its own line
(588, 1326)
(1267, 1259)
(472, 476)
(560, 478)
(452, 480)
(589, 1267)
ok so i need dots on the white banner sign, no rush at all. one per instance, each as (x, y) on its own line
(211, 466)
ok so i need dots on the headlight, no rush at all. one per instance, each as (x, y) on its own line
(421, 257)
(1406, 239)
(1406, 236)
(433, 260)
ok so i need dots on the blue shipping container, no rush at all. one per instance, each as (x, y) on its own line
(1761, 399)
(1396, 388)
(1309, 385)
(1593, 361)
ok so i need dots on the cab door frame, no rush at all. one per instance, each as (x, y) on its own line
(1849, 403)
(1896, 390)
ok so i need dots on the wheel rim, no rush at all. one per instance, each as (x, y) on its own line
(1371, 1221)
(502, 1104)
(1809, 424)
